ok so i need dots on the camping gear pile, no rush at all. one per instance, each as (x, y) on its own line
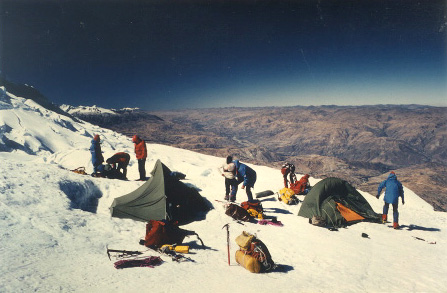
(253, 254)
(247, 211)
(164, 203)
(254, 208)
(165, 237)
(250, 211)
(288, 195)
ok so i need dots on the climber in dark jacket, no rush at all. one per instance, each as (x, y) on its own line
(119, 161)
(246, 175)
(393, 189)
(95, 150)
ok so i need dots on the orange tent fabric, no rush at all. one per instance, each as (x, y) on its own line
(348, 214)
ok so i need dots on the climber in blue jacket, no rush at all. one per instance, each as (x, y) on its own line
(393, 189)
(95, 150)
(246, 175)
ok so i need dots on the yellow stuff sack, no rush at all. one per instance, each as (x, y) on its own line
(248, 262)
(244, 240)
(255, 214)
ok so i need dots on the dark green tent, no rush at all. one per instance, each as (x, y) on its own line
(334, 200)
(162, 197)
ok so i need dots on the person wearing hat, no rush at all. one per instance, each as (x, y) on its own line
(141, 154)
(95, 150)
(393, 189)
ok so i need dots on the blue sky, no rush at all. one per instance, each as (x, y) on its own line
(186, 54)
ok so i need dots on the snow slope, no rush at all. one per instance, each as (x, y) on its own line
(55, 225)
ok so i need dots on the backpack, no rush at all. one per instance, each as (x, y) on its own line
(237, 212)
(288, 196)
(80, 170)
(300, 187)
(159, 233)
(287, 168)
(254, 208)
(317, 221)
(250, 247)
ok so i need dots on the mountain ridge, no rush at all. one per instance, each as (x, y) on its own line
(356, 143)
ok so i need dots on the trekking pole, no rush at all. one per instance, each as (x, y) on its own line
(228, 240)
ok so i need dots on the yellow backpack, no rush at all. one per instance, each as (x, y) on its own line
(256, 214)
(287, 196)
(80, 170)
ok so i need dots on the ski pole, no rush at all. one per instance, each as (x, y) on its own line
(228, 240)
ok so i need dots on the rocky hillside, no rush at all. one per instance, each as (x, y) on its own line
(360, 144)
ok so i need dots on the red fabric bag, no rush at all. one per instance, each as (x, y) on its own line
(159, 233)
(256, 205)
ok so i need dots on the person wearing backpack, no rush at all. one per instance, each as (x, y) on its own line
(141, 154)
(393, 189)
(95, 150)
(230, 181)
(288, 169)
(247, 176)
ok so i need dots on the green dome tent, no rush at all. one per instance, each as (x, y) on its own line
(338, 203)
(162, 197)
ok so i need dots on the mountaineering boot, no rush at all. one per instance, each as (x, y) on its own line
(395, 225)
(384, 218)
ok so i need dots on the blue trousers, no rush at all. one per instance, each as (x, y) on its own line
(395, 211)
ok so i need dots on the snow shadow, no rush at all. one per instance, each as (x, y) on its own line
(412, 227)
(278, 211)
(84, 196)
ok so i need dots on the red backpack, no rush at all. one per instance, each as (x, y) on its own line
(255, 205)
(160, 232)
(301, 185)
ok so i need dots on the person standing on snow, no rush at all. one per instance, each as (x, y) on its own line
(288, 169)
(393, 189)
(246, 175)
(141, 154)
(95, 150)
(230, 180)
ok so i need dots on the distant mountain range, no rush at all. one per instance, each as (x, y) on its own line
(360, 144)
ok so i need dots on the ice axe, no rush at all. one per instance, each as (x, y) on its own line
(122, 253)
(228, 240)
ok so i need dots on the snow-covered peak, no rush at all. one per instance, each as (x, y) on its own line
(87, 110)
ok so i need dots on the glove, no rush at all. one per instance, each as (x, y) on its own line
(377, 196)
